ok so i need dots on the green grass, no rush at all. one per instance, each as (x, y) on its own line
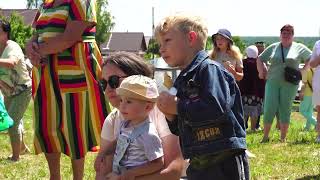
(299, 158)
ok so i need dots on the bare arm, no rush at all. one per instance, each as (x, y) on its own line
(103, 161)
(31, 51)
(107, 147)
(71, 35)
(9, 62)
(148, 168)
(173, 161)
(315, 62)
(262, 69)
(306, 65)
(237, 72)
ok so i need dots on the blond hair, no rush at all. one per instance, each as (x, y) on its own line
(233, 51)
(184, 23)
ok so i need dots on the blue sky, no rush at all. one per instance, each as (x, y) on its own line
(241, 17)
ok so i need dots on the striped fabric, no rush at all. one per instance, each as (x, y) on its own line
(69, 106)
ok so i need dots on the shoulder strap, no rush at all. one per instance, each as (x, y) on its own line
(139, 130)
(282, 54)
(309, 84)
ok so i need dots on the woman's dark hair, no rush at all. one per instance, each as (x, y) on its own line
(129, 63)
(5, 27)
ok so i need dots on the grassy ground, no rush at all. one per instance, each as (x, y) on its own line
(299, 158)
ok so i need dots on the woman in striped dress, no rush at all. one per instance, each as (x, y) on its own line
(69, 105)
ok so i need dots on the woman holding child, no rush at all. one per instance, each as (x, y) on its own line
(114, 69)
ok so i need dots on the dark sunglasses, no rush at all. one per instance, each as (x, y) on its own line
(113, 82)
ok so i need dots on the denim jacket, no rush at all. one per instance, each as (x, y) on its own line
(210, 114)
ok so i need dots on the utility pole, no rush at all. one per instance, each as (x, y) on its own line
(152, 36)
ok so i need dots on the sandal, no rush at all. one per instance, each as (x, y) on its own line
(24, 151)
(265, 140)
(10, 158)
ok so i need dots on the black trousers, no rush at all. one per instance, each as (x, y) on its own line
(232, 168)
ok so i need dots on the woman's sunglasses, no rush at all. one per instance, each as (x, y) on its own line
(113, 82)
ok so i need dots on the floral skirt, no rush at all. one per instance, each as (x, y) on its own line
(252, 105)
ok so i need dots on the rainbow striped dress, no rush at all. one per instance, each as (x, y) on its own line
(69, 106)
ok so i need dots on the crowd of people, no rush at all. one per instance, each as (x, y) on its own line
(81, 101)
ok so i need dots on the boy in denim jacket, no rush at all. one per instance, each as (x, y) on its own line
(206, 112)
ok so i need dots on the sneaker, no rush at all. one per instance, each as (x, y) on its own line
(318, 139)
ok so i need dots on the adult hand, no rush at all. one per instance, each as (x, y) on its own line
(113, 176)
(32, 53)
(229, 66)
(98, 163)
(167, 103)
(127, 176)
(262, 75)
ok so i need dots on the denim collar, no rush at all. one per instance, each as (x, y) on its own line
(200, 56)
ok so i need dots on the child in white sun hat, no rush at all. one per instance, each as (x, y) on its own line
(138, 149)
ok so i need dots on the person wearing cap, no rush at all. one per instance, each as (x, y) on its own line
(279, 93)
(226, 53)
(137, 149)
(250, 85)
(315, 63)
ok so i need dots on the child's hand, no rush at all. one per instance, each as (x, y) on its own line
(167, 103)
(113, 176)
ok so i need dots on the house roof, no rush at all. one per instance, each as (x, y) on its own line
(125, 41)
(28, 14)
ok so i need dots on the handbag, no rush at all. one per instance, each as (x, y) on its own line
(291, 74)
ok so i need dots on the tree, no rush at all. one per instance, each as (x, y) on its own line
(238, 42)
(34, 4)
(209, 44)
(20, 33)
(104, 22)
(153, 49)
